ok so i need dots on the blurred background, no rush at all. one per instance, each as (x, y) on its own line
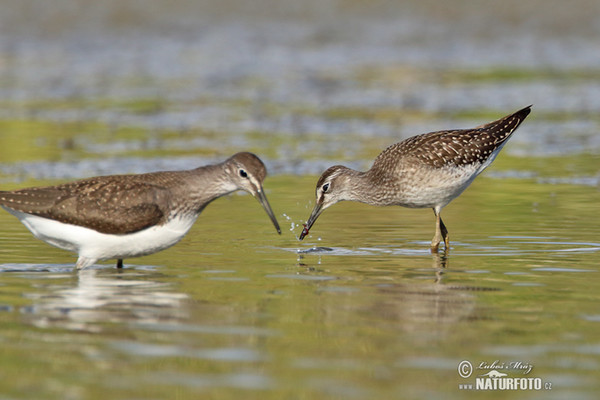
(129, 86)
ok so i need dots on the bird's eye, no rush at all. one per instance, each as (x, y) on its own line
(325, 187)
(243, 173)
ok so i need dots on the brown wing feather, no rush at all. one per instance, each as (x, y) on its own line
(456, 147)
(118, 205)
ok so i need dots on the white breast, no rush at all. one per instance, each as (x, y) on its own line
(91, 244)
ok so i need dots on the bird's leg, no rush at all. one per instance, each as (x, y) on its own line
(120, 263)
(444, 235)
(440, 233)
(435, 242)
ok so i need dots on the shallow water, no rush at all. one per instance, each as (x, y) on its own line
(360, 309)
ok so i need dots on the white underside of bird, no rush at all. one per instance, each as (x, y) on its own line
(91, 245)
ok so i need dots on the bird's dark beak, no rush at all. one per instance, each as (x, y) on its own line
(262, 199)
(311, 220)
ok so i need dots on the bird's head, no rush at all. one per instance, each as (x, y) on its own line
(247, 172)
(333, 186)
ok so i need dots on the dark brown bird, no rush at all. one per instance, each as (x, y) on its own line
(428, 170)
(122, 216)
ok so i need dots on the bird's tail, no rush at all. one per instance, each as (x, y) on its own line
(504, 127)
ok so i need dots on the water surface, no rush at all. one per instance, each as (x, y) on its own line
(360, 309)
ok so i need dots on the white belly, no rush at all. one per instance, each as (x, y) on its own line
(94, 245)
(436, 187)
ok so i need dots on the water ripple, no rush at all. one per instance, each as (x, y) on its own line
(208, 329)
(302, 277)
(229, 354)
(241, 380)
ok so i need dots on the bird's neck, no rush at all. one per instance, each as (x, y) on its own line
(369, 187)
(359, 187)
(202, 185)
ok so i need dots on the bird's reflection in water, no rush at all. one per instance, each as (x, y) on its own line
(430, 309)
(439, 265)
(101, 298)
(415, 300)
(424, 311)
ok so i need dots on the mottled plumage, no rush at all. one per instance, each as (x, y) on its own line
(428, 170)
(158, 207)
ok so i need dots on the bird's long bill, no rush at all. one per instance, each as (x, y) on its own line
(311, 220)
(262, 199)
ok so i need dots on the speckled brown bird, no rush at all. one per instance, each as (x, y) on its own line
(122, 216)
(424, 171)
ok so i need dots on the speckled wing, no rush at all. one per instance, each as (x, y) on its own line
(118, 205)
(459, 147)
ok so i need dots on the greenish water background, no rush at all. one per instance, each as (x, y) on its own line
(359, 309)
